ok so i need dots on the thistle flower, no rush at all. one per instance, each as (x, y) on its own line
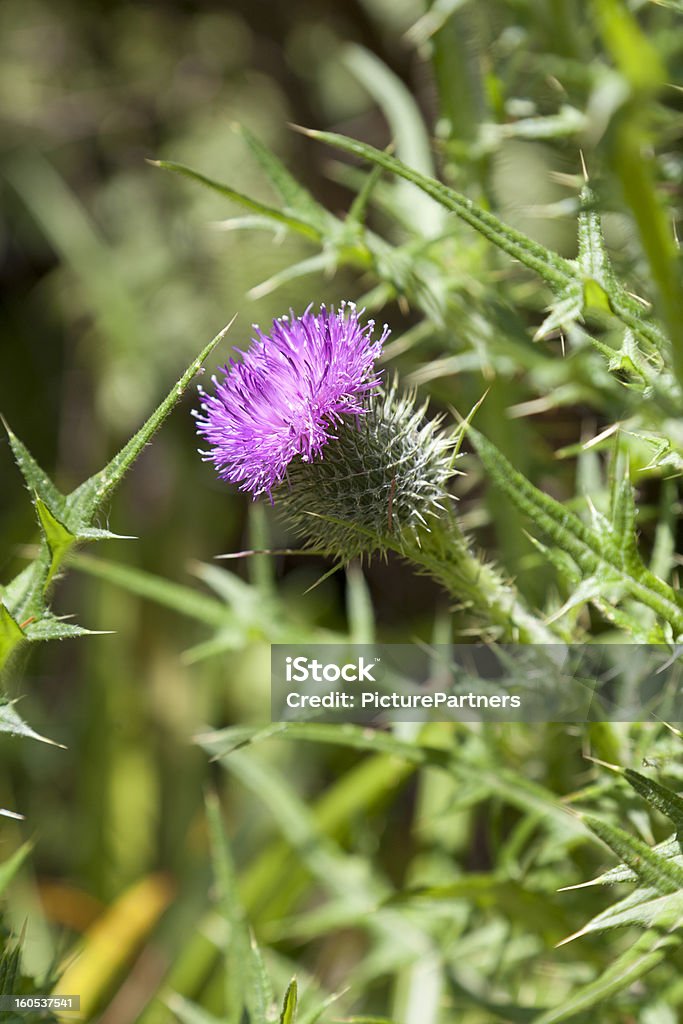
(355, 469)
(285, 397)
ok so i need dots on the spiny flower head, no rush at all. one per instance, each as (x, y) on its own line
(284, 396)
(382, 484)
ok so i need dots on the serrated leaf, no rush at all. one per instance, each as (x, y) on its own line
(88, 534)
(641, 908)
(58, 537)
(671, 847)
(288, 1014)
(23, 595)
(11, 635)
(37, 480)
(49, 627)
(270, 212)
(623, 518)
(640, 958)
(664, 799)
(593, 258)
(86, 500)
(10, 867)
(593, 553)
(11, 722)
(557, 271)
(660, 873)
(567, 307)
(589, 589)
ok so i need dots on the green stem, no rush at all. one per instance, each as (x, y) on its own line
(656, 234)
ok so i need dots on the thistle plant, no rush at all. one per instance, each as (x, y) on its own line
(355, 468)
(622, 358)
(66, 521)
(444, 903)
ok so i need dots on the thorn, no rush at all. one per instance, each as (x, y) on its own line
(325, 576)
(564, 352)
(466, 420)
(645, 303)
(612, 429)
(570, 938)
(604, 764)
(392, 491)
(268, 551)
(583, 166)
(221, 334)
(310, 132)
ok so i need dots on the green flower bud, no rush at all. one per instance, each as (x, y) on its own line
(377, 484)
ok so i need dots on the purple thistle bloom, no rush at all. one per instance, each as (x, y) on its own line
(284, 396)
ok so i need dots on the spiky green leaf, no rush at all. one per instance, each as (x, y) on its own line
(296, 224)
(50, 627)
(12, 723)
(594, 552)
(58, 538)
(84, 503)
(37, 480)
(661, 873)
(554, 269)
(661, 797)
(11, 635)
(296, 198)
